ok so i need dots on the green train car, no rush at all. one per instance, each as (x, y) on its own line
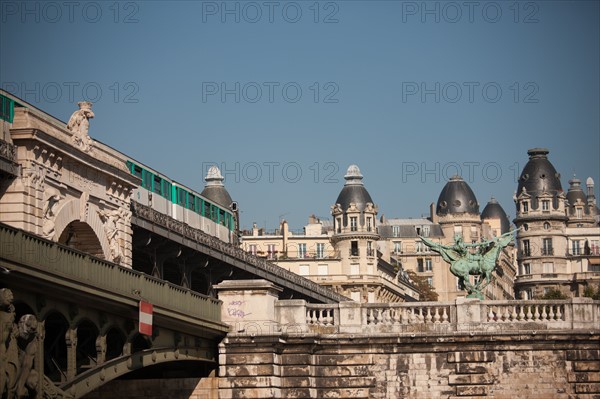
(181, 203)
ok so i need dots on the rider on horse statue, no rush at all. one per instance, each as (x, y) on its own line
(464, 262)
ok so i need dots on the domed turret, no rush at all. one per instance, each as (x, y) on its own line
(457, 197)
(353, 191)
(354, 210)
(215, 190)
(591, 196)
(575, 195)
(539, 176)
(493, 210)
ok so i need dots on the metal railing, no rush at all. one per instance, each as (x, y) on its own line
(199, 236)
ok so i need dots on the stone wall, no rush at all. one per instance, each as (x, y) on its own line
(540, 366)
(460, 349)
(171, 388)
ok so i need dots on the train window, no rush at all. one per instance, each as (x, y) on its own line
(147, 180)
(158, 185)
(181, 196)
(137, 171)
(166, 189)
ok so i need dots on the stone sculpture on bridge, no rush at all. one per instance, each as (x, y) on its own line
(464, 263)
(79, 125)
(110, 218)
(18, 355)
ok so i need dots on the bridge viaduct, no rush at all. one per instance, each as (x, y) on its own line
(78, 256)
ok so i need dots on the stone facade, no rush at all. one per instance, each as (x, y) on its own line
(559, 237)
(75, 194)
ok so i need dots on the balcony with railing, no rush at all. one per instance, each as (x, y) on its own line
(547, 251)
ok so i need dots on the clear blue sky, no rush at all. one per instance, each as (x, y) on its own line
(399, 88)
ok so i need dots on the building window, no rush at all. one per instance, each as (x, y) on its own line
(301, 251)
(370, 250)
(545, 205)
(593, 268)
(320, 250)
(428, 265)
(526, 268)
(458, 287)
(526, 248)
(323, 270)
(395, 231)
(271, 251)
(546, 226)
(339, 225)
(595, 247)
(529, 293)
(353, 224)
(474, 235)
(420, 265)
(525, 227)
(369, 227)
(353, 248)
(547, 247)
(397, 247)
(458, 231)
(576, 247)
(426, 231)
(548, 267)
(304, 270)
(253, 249)
(419, 246)
(525, 207)
(430, 281)
(579, 212)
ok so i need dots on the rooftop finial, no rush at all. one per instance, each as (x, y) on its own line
(214, 177)
(353, 175)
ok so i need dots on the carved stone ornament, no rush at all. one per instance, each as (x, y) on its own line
(110, 220)
(79, 125)
(51, 200)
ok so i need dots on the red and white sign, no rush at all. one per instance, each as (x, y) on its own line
(145, 318)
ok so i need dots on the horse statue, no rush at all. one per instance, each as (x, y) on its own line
(464, 263)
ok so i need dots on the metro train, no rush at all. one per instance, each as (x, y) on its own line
(181, 203)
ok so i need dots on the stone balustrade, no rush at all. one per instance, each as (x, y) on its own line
(471, 316)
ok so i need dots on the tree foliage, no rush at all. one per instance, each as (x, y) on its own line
(427, 291)
(554, 293)
(591, 292)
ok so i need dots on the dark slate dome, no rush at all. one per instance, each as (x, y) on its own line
(457, 197)
(539, 174)
(214, 190)
(576, 193)
(493, 210)
(353, 191)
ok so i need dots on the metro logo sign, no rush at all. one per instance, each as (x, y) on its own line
(145, 318)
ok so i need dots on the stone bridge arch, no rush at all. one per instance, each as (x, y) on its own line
(92, 379)
(72, 212)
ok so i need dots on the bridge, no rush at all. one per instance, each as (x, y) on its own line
(78, 257)
(80, 260)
